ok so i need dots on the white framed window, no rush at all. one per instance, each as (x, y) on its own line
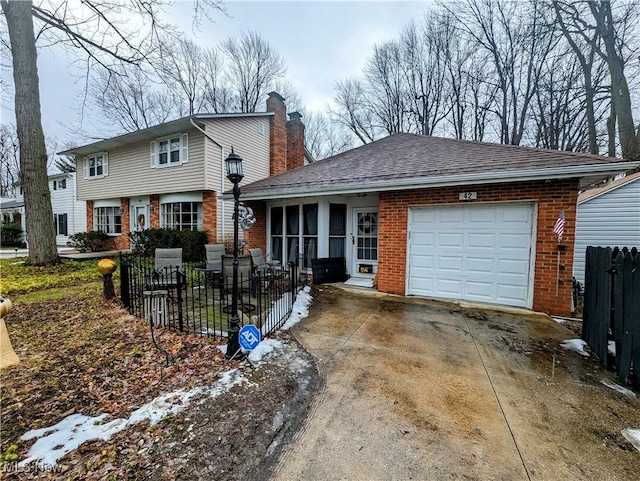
(96, 166)
(181, 215)
(291, 227)
(108, 219)
(172, 150)
(60, 184)
(61, 224)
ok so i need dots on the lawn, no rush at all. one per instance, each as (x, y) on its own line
(83, 354)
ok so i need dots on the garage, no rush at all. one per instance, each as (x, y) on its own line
(480, 252)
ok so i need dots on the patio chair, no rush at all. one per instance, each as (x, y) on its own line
(246, 281)
(214, 253)
(168, 271)
(259, 262)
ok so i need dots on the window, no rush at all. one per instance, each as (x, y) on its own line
(60, 184)
(310, 233)
(182, 215)
(169, 151)
(61, 224)
(292, 232)
(108, 219)
(291, 227)
(95, 166)
(276, 233)
(337, 230)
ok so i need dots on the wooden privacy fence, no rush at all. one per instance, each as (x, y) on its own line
(612, 309)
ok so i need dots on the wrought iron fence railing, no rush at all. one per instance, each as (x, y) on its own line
(194, 299)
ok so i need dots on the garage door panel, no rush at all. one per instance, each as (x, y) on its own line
(475, 252)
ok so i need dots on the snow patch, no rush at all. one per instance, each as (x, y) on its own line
(577, 345)
(56, 441)
(300, 308)
(633, 436)
(620, 389)
(559, 320)
(264, 348)
(611, 347)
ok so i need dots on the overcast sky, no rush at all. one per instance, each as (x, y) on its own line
(320, 41)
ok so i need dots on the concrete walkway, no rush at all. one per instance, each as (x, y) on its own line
(427, 391)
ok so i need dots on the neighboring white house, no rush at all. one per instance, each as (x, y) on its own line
(69, 215)
(607, 216)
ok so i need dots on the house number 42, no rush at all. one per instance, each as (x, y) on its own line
(468, 195)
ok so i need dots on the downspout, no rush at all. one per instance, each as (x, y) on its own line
(222, 177)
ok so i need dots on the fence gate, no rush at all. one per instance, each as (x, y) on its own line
(612, 309)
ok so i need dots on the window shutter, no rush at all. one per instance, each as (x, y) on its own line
(184, 145)
(105, 164)
(86, 168)
(152, 151)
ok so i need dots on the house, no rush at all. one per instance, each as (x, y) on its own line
(607, 216)
(171, 175)
(68, 214)
(435, 217)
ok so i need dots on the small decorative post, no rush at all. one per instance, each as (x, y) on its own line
(107, 267)
(8, 356)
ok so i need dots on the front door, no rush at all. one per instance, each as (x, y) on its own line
(139, 217)
(364, 238)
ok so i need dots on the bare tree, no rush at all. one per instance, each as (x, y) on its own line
(324, 138)
(352, 110)
(253, 65)
(99, 30)
(129, 98)
(218, 96)
(9, 160)
(182, 69)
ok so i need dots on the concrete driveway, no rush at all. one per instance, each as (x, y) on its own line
(428, 391)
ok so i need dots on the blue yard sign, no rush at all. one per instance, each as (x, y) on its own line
(249, 337)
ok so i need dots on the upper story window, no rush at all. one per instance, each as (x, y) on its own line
(96, 166)
(171, 150)
(60, 184)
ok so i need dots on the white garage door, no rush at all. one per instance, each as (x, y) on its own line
(472, 252)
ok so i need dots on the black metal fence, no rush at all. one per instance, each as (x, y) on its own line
(612, 309)
(193, 299)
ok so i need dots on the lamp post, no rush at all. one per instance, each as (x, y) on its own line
(234, 174)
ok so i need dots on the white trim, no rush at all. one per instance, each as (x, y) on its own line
(107, 203)
(443, 181)
(183, 150)
(181, 197)
(105, 165)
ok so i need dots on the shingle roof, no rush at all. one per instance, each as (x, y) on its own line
(409, 160)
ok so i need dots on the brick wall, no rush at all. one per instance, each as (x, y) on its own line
(89, 207)
(257, 235)
(122, 241)
(154, 214)
(278, 132)
(295, 141)
(551, 197)
(210, 216)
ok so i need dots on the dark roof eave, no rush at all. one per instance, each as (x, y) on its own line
(314, 189)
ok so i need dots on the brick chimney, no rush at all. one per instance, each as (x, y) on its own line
(295, 141)
(278, 140)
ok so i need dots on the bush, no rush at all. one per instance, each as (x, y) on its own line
(94, 241)
(11, 235)
(146, 241)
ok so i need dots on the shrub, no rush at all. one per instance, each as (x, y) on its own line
(94, 241)
(146, 241)
(11, 235)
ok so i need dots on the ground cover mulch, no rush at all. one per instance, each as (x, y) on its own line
(82, 354)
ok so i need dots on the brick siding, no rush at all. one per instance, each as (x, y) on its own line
(210, 216)
(295, 141)
(257, 235)
(278, 132)
(551, 198)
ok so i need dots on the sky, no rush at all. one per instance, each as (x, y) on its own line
(321, 42)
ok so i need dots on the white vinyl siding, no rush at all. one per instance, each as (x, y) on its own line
(477, 253)
(63, 202)
(611, 219)
(130, 174)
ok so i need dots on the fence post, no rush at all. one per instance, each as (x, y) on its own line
(125, 294)
(180, 283)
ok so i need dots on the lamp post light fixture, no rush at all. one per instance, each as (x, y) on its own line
(234, 174)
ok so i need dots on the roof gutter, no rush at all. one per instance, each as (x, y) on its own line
(441, 181)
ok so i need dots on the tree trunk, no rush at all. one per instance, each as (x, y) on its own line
(41, 235)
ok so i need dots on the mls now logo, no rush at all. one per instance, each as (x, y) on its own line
(249, 337)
